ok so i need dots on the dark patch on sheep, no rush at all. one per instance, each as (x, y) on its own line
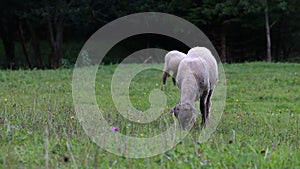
(165, 76)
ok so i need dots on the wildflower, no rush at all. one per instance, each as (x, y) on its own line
(138, 120)
(142, 134)
(5, 100)
(115, 128)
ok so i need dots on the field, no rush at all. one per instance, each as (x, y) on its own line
(260, 126)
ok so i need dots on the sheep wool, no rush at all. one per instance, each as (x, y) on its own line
(196, 77)
(172, 60)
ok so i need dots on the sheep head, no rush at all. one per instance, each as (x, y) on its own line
(184, 114)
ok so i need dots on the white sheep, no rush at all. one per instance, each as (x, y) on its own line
(172, 60)
(196, 77)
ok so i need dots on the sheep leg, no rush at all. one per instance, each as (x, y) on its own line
(164, 77)
(174, 81)
(174, 77)
(208, 103)
(203, 106)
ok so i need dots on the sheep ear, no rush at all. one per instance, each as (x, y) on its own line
(171, 111)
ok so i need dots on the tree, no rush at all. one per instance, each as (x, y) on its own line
(8, 29)
(268, 36)
(219, 15)
(241, 30)
(277, 8)
(286, 30)
(55, 17)
(32, 17)
(7, 36)
(21, 33)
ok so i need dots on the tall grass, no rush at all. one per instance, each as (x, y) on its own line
(259, 128)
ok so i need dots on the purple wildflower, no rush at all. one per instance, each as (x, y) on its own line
(115, 128)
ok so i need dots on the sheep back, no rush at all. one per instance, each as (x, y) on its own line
(192, 78)
(209, 59)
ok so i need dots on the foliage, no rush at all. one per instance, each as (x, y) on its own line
(235, 27)
(259, 127)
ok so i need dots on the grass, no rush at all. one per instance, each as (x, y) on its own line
(259, 128)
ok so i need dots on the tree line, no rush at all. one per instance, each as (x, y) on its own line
(35, 34)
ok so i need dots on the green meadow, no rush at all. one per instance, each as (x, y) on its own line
(259, 128)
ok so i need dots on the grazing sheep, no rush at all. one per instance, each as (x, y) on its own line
(172, 60)
(196, 78)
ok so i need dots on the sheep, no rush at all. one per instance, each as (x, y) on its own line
(196, 78)
(172, 60)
